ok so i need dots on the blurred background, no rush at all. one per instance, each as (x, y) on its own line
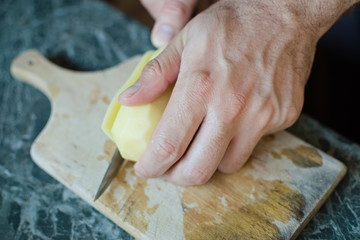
(332, 93)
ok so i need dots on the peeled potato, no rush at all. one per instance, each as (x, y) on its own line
(131, 127)
(134, 126)
(114, 106)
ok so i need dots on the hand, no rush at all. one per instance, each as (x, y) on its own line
(170, 17)
(240, 69)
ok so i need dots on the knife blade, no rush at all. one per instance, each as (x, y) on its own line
(111, 172)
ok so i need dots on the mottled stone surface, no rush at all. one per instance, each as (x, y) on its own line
(339, 218)
(88, 35)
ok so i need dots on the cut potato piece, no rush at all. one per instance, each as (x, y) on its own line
(131, 127)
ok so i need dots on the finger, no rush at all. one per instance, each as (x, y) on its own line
(204, 155)
(173, 17)
(153, 7)
(155, 78)
(240, 147)
(179, 123)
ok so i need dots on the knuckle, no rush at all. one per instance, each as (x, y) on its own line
(220, 127)
(239, 102)
(236, 106)
(286, 117)
(203, 83)
(203, 79)
(196, 176)
(266, 117)
(176, 7)
(165, 149)
(291, 116)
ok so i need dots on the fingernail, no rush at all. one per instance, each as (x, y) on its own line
(163, 35)
(131, 90)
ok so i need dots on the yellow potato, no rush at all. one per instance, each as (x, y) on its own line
(134, 126)
(131, 128)
(114, 106)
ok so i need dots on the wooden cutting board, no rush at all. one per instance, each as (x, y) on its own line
(272, 197)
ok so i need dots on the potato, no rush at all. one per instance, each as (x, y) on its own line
(114, 106)
(131, 128)
(134, 126)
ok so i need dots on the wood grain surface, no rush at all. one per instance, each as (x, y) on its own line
(277, 192)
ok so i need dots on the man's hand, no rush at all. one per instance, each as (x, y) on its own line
(240, 69)
(170, 17)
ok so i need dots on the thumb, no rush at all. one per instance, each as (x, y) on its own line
(156, 76)
(172, 18)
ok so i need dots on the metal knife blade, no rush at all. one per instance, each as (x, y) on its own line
(111, 172)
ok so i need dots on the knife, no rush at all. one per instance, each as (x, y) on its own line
(111, 172)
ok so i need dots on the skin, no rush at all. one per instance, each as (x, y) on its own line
(239, 68)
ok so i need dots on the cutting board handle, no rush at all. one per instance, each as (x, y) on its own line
(31, 67)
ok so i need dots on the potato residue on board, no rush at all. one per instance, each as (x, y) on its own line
(132, 207)
(236, 206)
(95, 96)
(249, 213)
(108, 148)
(54, 90)
(105, 100)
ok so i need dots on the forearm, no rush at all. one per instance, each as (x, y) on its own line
(320, 15)
(316, 16)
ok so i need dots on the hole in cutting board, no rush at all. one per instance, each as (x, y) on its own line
(30, 62)
(65, 62)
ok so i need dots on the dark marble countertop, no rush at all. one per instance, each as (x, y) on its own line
(89, 35)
